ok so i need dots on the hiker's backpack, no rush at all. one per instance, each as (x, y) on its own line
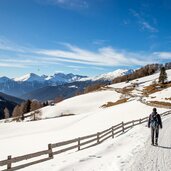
(154, 121)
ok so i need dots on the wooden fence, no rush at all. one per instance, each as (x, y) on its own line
(34, 115)
(73, 144)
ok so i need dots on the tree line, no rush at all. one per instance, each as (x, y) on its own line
(142, 72)
(24, 107)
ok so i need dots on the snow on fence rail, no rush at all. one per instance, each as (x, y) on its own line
(79, 143)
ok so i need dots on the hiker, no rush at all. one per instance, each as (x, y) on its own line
(154, 122)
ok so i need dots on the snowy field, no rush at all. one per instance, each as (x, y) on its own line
(163, 96)
(88, 118)
(128, 152)
(142, 82)
(19, 136)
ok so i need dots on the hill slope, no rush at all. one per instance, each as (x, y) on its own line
(9, 102)
(11, 98)
(88, 117)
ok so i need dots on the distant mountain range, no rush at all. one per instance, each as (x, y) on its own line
(51, 92)
(30, 82)
(61, 78)
(46, 87)
(110, 75)
(57, 78)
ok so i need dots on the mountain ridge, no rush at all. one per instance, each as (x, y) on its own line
(31, 82)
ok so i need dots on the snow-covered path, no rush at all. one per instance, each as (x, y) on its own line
(155, 158)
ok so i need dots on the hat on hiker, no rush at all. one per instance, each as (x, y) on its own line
(154, 109)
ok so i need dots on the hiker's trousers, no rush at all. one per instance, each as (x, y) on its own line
(154, 134)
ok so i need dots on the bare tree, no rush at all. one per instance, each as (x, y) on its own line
(16, 112)
(35, 105)
(6, 113)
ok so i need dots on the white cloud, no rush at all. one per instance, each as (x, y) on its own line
(126, 22)
(76, 67)
(76, 58)
(144, 25)
(99, 42)
(106, 56)
(69, 4)
(98, 68)
(7, 45)
(163, 55)
(10, 65)
(147, 26)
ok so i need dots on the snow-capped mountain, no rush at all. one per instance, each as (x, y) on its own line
(29, 78)
(56, 78)
(110, 76)
(59, 78)
(30, 82)
(63, 78)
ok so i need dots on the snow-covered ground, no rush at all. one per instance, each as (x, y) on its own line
(162, 96)
(18, 136)
(88, 117)
(154, 157)
(142, 82)
(129, 151)
(112, 155)
(81, 104)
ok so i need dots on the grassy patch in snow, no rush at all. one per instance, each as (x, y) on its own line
(167, 104)
(127, 90)
(109, 104)
(151, 89)
(155, 88)
(168, 98)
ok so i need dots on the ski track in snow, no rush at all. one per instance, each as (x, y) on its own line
(154, 158)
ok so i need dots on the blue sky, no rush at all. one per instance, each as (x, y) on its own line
(86, 37)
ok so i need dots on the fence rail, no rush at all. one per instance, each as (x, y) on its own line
(76, 143)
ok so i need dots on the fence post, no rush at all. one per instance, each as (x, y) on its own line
(112, 132)
(34, 116)
(50, 149)
(22, 117)
(98, 138)
(78, 144)
(10, 163)
(123, 127)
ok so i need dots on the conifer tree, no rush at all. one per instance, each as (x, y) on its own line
(163, 75)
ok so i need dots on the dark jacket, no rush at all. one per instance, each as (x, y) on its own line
(158, 118)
